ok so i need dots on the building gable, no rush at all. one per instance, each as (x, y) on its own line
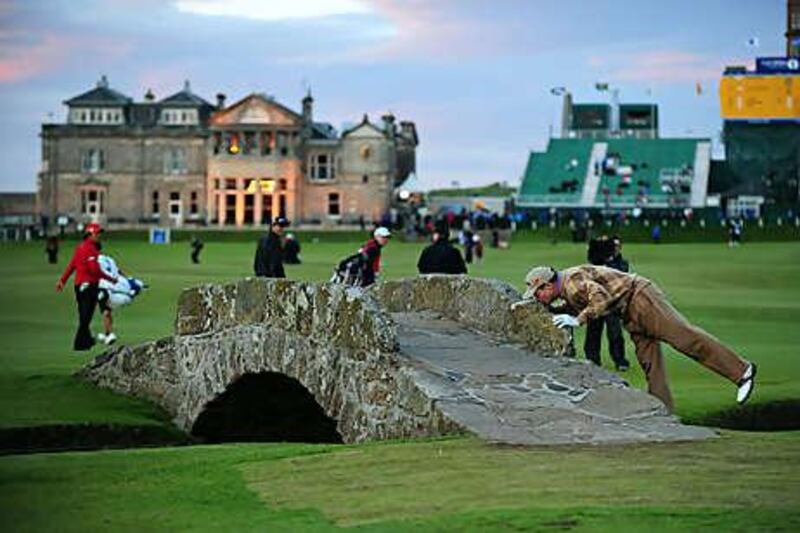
(365, 130)
(258, 111)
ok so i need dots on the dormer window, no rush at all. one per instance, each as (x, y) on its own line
(179, 117)
(90, 115)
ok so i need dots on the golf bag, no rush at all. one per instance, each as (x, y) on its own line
(350, 270)
(124, 290)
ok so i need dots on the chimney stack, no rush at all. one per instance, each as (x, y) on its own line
(220, 101)
(308, 108)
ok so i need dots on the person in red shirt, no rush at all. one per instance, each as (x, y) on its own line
(371, 254)
(87, 275)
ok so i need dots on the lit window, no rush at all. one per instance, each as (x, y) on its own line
(233, 143)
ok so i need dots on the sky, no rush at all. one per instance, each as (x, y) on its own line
(474, 75)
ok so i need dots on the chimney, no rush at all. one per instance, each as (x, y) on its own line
(308, 108)
(149, 97)
(220, 101)
(388, 124)
(409, 131)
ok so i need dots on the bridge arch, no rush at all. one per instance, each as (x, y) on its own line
(265, 407)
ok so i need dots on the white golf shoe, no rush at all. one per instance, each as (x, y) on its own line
(746, 384)
(110, 339)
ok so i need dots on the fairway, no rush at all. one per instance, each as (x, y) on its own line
(749, 297)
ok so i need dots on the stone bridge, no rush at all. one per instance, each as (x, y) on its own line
(286, 360)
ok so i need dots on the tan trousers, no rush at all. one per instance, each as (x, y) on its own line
(650, 318)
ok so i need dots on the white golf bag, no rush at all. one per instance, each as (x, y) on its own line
(124, 290)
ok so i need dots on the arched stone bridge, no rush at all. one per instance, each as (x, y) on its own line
(286, 360)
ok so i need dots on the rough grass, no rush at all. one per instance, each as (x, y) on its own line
(749, 297)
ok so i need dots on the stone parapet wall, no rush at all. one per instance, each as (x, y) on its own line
(480, 304)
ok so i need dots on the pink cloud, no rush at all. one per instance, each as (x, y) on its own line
(21, 59)
(667, 66)
(20, 62)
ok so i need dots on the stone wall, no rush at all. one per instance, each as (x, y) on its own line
(480, 304)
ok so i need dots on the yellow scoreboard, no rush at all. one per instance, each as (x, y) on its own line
(760, 97)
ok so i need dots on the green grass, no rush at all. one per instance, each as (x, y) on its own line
(749, 297)
(738, 482)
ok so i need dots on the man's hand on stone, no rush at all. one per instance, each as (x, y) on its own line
(566, 321)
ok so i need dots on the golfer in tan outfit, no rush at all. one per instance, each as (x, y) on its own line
(594, 291)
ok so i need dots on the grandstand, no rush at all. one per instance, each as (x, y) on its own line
(617, 173)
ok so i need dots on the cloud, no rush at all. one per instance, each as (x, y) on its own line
(273, 10)
(20, 60)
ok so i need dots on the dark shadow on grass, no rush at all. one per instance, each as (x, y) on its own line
(84, 437)
(265, 407)
(782, 415)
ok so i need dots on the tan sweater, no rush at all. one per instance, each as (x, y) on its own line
(595, 291)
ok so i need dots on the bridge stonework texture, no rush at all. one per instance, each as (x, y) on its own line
(424, 356)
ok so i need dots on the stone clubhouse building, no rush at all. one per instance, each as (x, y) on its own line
(183, 161)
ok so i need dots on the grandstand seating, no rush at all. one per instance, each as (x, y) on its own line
(633, 173)
(649, 160)
(557, 175)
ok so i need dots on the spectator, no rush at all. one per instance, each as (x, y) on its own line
(595, 291)
(655, 234)
(87, 277)
(735, 230)
(268, 262)
(291, 250)
(441, 257)
(197, 247)
(477, 245)
(371, 254)
(606, 252)
(51, 248)
(467, 242)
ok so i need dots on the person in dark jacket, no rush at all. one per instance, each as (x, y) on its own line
(441, 257)
(84, 264)
(268, 262)
(197, 247)
(52, 249)
(606, 251)
(371, 253)
(291, 250)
